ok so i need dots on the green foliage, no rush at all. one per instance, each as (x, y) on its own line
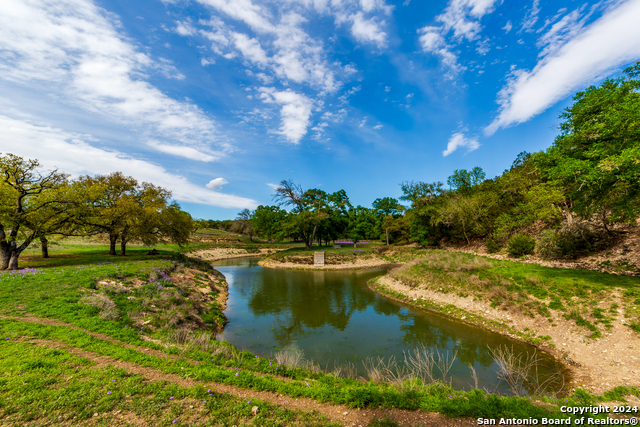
(493, 245)
(268, 222)
(572, 241)
(521, 244)
(463, 180)
(597, 155)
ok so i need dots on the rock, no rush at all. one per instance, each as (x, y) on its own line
(345, 413)
(255, 410)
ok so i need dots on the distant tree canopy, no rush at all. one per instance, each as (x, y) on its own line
(35, 204)
(591, 173)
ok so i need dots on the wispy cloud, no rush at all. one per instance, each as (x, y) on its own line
(75, 48)
(461, 18)
(70, 152)
(182, 151)
(280, 46)
(594, 52)
(294, 113)
(458, 140)
(531, 18)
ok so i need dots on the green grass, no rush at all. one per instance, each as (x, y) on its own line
(530, 289)
(55, 292)
(40, 385)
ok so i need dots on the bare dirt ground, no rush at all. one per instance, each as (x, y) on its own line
(369, 262)
(215, 254)
(596, 365)
(348, 417)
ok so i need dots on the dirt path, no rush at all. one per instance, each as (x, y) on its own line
(215, 254)
(371, 262)
(348, 417)
(596, 365)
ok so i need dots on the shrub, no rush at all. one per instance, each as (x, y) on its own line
(521, 244)
(493, 245)
(572, 241)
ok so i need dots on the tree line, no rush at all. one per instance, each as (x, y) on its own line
(36, 204)
(569, 196)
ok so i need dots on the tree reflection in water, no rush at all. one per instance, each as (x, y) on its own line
(333, 315)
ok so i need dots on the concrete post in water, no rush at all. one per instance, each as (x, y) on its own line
(318, 259)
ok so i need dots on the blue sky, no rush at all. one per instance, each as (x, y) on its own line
(218, 100)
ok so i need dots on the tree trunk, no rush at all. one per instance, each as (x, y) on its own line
(313, 235)
(464, 231)
(112, 243)
(123, 247)
(44, 243)
(13, 262)
(6, 256)
(387, 231)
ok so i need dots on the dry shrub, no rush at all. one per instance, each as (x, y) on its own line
(520, 372)
(381, 370)
(188, 339)
(347, 370)
(108, 309)
(291, 358)
(418, 368)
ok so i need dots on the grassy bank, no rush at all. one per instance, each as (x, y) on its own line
(591, 299)
(103, 306)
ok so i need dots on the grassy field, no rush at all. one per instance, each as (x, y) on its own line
(65, 322)
(592, 299)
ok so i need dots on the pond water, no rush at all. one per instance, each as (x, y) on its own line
(334, 318)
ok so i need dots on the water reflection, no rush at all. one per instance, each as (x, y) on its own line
(333, 316)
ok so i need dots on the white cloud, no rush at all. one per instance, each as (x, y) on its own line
(599, 49)
(368, 30)
(376, 127)
(216, 184)
(562, 31)
(250, 49)
(295, 112)
(273, 186)
(372, 5)
(336, 117)
(282, 45)
(257, 17)
(182, 151)
(432, 41)
(458, 140)
(70, 153)
(462, 17)
(207, 61)
(531, 18)
(184, 28)
(387, 88)
(507, 27)
(73, 48)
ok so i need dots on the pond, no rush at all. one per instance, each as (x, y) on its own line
(335, 319)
